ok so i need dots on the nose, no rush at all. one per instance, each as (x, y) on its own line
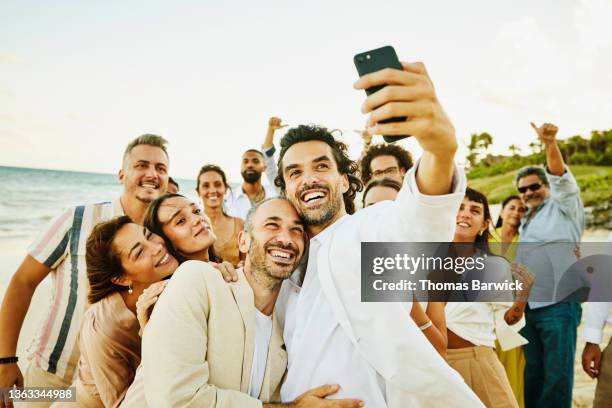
(284, 236)
(310, 177)
(156, 245)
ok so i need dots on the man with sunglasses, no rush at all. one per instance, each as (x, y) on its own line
(555, 214)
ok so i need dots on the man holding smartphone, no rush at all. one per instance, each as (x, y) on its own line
(375, 352)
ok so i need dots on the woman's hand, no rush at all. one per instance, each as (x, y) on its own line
(525, 278)
(227, 270)
(146, 301)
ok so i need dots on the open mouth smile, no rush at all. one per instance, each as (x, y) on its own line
(281, 256)
(313, 197)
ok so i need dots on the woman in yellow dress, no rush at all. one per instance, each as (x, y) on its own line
(505, 238)
(212, 186)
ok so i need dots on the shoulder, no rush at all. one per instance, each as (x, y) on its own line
(239, 222)
(195, 276)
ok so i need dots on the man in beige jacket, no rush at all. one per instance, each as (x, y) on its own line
(210, 343)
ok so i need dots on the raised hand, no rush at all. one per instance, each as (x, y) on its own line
(146, 301)
(408, 93)
(275, 123)
(365, 136)
(546, 133)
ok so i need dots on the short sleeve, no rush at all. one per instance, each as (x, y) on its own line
(51, 246)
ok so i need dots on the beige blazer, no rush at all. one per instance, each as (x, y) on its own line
(197, 349)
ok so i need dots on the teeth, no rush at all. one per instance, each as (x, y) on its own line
(463, 224)
(149, 185)
(280, 254)
(163, 260)
(315, 195)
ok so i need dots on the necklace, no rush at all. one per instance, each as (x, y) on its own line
(260, 196)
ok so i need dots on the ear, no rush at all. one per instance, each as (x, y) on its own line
(121, 280)
(121, 176)
(244, 241)
(485, 226)
(345, 183)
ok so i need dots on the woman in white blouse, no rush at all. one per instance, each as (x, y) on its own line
(472, 327)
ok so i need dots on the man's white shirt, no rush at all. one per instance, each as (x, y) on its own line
(263, 332)
(598, 314)
(374, 351)
(238, 204)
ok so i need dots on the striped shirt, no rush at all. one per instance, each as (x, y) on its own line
(61, 247)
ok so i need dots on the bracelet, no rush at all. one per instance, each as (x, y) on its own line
(426, 326)
(8, 360)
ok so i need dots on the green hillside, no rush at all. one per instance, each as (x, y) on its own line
(595, 184)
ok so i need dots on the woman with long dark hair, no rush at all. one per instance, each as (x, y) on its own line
(473, 327)
(212, 187)
(124, 261)
(185, 228)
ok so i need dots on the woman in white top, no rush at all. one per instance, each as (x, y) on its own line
(473, 327)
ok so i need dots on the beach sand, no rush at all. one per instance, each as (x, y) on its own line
(11, 255)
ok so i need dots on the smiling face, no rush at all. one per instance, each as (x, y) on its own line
(211, 189)
(275, 244)
(470, 221)
(313, 184)
(145, 173)
(187, 227)
(533, 198)
(143, 255)
(252, 166)
(513, 212)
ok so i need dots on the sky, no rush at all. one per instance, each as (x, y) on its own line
(79, 80)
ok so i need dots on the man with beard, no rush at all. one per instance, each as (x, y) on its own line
(555, 215)
(374, 351)
(252, 191)
(210, 343)
(60, 251)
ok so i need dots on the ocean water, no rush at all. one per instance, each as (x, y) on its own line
(29, 198)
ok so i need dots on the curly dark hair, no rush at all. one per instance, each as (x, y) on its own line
(403, 157)
(346, 166)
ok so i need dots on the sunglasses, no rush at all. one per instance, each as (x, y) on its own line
(532, 187)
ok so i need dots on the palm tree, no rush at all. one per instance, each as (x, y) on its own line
(536, 147)
(514, 149)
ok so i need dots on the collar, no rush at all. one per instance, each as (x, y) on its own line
(326, 234)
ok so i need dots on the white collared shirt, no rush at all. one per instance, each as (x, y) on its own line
(337, 360)
(238, 204)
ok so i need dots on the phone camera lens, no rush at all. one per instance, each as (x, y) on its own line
(360, 58)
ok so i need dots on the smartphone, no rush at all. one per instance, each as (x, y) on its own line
(375, 60)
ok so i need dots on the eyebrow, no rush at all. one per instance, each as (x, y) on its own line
(317, 160)
(177, 212)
